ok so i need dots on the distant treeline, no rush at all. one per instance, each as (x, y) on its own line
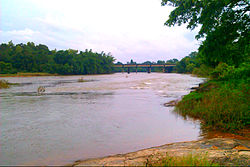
(38, 58)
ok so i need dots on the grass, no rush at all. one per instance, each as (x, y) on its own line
(187, 160)
(220, 105)
(4, 84)
(27, 74)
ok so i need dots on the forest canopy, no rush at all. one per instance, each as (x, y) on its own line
(38, 58)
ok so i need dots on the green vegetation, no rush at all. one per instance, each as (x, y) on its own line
(225, 25)
(4, 84)
(31, 58)
(188, 160)
(223, 57)
(188, 63)
(81, 80)
(220, 105)
(21, 74)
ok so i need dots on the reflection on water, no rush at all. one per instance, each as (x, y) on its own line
(73, 120)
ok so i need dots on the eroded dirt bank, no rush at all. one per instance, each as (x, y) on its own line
(220, 150)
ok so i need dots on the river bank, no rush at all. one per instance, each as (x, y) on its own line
(19, 74)
(224, 151)
(218, 104)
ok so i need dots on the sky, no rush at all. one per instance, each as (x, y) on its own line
(128, 29)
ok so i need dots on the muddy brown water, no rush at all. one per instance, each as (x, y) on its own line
(108, 114)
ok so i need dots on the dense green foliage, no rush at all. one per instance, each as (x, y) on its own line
(222, 102)
(225, 24)
(223, 106)
(38, 58)
(192, 64)
(223, 56)
(188, 63)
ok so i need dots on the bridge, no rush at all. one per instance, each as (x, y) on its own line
(165, 67)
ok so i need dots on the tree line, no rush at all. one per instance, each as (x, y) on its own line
(38, 58)
(33, 58)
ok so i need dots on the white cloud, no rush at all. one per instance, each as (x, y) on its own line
(25, 34)
(129, 29)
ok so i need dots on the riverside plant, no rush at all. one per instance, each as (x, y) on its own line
(224, 106)
(187, 160)
(4, 84)
(81, 80)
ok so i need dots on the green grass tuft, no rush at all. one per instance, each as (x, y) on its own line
(187, 160)
(4, 84)
(224, 106)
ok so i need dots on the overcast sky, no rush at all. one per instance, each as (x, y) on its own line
(129, 29)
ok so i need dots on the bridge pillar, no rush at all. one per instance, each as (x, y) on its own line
(149, 69)
(128, 70)
(122, 68)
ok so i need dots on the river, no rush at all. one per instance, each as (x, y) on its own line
(107, 114)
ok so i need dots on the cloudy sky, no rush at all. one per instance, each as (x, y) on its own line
(129, 29)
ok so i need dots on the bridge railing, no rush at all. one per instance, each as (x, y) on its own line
(148, 66)
(145, 65)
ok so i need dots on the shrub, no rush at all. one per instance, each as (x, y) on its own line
(225, 107)
(202, 71)
(227, 73)
(4, 84)
(187, 160)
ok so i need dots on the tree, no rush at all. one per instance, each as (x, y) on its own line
(160, 62)
(172, 61)
(5, 68)
(188, 63)
(225, 24)
(38, 58)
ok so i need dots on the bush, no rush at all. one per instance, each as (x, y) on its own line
(4, 84)
(227, 73)
(202, 71)
(187, 160)
(225, 107)
(240, 73)
(6, 68)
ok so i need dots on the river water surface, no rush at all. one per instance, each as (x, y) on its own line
(108, 114)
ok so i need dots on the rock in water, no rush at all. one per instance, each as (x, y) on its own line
(40, 89)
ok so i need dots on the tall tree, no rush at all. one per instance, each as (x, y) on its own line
(225, 25)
